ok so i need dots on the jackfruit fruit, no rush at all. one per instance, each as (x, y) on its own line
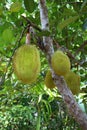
(60, 63)
(26, 63)
(73, 82)
(49, 81)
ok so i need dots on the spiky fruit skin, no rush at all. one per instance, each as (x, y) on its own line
(26, 63)
(73, 82)
(49, 81)
(60, 63)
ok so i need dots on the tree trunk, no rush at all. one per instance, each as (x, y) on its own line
(67, 95)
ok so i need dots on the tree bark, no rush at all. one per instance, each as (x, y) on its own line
(67, 95)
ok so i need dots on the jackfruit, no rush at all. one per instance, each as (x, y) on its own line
(73, 82)
(26, 63)
(60, 63)
(49, 81)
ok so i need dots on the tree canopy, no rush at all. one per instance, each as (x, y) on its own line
(34, 106)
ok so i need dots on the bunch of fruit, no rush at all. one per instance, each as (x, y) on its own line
(26, 64)
(61, 66)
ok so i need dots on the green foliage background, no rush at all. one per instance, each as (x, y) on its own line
(34, 107)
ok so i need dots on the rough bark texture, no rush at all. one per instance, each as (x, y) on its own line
(67, 95)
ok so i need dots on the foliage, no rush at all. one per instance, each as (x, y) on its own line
(34, 106)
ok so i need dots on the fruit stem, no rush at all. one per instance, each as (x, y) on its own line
(27, 38)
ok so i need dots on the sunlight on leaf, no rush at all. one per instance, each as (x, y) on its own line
(7, 35)
(15, 7)
(67, 22)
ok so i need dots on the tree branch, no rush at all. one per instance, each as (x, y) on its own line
(32, 24)
(72, 106)
(48, 43)
(81, 47)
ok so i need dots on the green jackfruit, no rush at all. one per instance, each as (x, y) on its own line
(60, 63)
(49, 81)
(26, 63)
(73, 82)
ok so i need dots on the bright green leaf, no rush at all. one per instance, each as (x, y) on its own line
(7, 35)
(15, 7)
(38, 123)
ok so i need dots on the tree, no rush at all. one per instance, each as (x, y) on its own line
(65, 32)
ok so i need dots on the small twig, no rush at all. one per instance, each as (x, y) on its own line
(39, 41)
(56, 43)
(79, 2)
(32, 24)
(81, 47)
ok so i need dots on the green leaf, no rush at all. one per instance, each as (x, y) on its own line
(38, 123)
(15, 7)
(30, 5)
(1, 10)
(2, 1)
(67, 22)
(7, 35)
(68, 12)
